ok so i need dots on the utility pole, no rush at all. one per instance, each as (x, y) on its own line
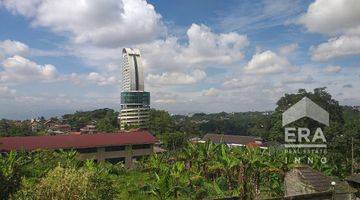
(352, 155)
(333, 183)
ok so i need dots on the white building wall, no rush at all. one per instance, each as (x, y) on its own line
(131, 64)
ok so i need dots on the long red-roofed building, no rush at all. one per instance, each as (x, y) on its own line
(111, 147)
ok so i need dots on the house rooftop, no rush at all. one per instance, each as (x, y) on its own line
(354, 178)
(29, 143)
(320, 182)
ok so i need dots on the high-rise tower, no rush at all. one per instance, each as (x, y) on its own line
(135, 102)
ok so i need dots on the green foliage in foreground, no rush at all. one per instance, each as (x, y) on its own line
(87, 182)
(202, 171)
(206, 171)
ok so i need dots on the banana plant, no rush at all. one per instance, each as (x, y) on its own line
(11, 172)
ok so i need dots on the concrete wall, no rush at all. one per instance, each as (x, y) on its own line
(101, 155)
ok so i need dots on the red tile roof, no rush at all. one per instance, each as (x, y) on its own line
(75, 141)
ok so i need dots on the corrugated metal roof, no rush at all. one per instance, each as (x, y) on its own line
(314, 178)
(28, 143)
(320, 182)
(354, 178)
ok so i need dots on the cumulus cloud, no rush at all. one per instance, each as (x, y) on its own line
(332, 69)
(176, 78)
(203, 47)
(112, 24)
(102, 80)
(11, 48)
(19, 69)
(98, 31)
(26, 8)
(162, 54)
(332, 16)
(337, 47)
(268, 62)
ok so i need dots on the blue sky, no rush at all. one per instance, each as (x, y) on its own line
(199, 56)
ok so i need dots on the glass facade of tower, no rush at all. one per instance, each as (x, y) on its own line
(135, 98)
(135, 102)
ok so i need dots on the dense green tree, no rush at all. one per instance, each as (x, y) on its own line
(247, 123)
(14, 128)
(320, 96)
(109, 123)
(160, 122)
(342, 127)
(174, 141)
(107, 119)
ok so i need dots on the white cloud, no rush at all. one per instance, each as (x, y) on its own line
(19, 69)
(11, 48)
(268, 62)
(332, 69)
(26, 8)
(102, 80)
(332, 16)
(162, 54)
(98, 31)
(204, 47)
(337, 47)
(176, 78)
(113, 23)
(242, 82)
(288, 49)
(211, 92)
